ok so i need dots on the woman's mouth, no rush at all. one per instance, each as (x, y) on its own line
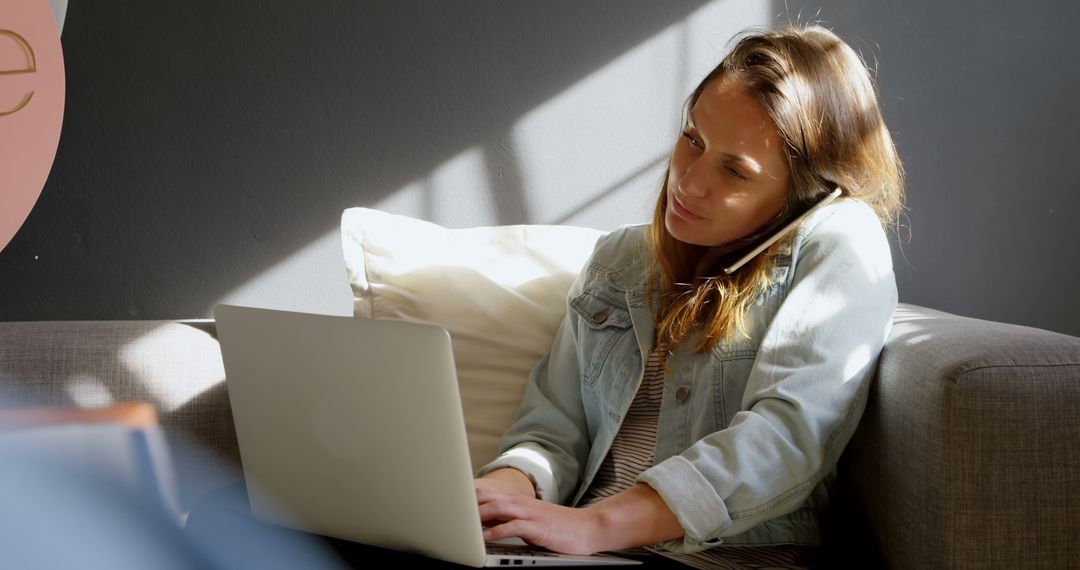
(683, 212)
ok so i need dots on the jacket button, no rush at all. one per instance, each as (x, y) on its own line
(682, 393)
(599, 316)
(615, 417)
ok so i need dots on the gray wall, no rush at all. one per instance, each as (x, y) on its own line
(983, 99)
(209, 147)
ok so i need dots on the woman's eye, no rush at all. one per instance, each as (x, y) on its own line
(690, 138)
(736, 173)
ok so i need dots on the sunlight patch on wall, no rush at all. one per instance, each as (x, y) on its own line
(593, 155)
(455, 194)
(310, 280)
(611, 132)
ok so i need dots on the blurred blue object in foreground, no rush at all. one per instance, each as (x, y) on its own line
(53, 515)
(92, 495)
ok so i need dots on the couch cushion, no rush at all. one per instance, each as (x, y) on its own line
(500, 291)
(968, 455)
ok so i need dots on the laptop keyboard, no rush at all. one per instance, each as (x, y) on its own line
(516, 550)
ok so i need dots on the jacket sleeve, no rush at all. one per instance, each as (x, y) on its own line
(805, 394)
(549, 439)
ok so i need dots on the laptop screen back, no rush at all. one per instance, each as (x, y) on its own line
(353, 429)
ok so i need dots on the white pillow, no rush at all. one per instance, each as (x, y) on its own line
(499, 290)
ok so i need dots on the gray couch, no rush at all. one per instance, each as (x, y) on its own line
(968, 455)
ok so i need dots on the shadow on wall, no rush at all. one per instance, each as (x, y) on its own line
(202, 140)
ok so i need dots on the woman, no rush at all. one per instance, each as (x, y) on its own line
(700, 413)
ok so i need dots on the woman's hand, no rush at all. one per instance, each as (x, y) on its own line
(637, 516)
(557, 528)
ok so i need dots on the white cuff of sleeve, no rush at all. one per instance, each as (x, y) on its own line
(531, 460)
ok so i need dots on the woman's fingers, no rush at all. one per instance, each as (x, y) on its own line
(495, 507)
(514, 528)
(509, 516)
(558, 528)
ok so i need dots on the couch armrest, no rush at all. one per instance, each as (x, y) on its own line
(968, 454)
(174, 365)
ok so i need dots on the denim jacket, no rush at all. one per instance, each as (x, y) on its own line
(749, 432)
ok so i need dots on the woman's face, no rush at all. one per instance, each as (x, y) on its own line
(728, 175)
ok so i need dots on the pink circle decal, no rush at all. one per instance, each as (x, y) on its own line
(31, 106)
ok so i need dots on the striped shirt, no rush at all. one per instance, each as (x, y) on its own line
(632, 452)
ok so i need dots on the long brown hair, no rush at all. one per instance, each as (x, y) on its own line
(820, 96)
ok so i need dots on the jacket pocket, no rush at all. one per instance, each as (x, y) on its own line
(604, 322)
(731, 377)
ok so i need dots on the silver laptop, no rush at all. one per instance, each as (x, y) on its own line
(352, 429)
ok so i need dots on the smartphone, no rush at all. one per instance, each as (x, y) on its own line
(782, 231)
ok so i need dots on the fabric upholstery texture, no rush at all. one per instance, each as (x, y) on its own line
(176, 366)
(968, 455)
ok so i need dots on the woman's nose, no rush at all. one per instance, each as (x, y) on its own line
(696, 180)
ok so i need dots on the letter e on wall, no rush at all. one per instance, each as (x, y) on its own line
(31, 107)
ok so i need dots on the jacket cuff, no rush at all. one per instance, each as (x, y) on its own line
(701, 512)
(531, 460)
